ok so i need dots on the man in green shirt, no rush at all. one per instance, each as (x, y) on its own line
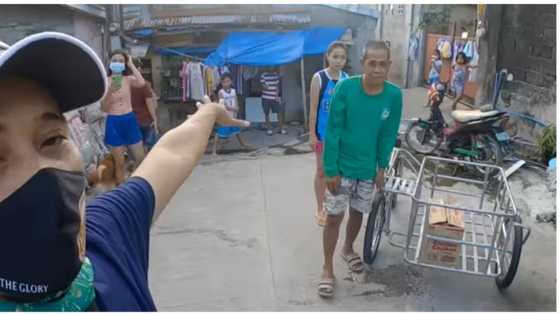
(362, 129)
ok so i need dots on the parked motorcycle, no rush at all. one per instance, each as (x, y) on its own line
(474, 136)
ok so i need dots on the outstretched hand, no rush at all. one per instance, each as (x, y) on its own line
(222, 116)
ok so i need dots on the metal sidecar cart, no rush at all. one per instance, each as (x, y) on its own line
(492, 233)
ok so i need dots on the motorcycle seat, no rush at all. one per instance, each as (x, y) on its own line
(465, 116)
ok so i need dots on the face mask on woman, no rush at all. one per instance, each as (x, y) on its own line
(117, 67)
(39, 226)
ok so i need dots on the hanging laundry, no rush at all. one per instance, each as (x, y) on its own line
(209, 80)
(468, 49)
(445, 49)
(196, 81)
(474, 63)
(224, 69)
(457, 48)
(217, 76)
(184, 81)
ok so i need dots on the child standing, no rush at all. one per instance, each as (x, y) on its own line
(435, 69)
(228, 96)
(459, 77)
(271, 100)
(321, 92)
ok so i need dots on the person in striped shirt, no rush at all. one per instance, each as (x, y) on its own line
(270, 81)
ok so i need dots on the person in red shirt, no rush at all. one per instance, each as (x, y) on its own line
(144, 104)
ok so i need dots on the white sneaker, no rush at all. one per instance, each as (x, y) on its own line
(283, 131)
(269, 132)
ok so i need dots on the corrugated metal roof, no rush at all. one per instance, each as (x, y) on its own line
(137, 23)
(175, 10)
(363, 9)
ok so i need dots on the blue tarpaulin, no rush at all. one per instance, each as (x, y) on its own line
(191, 51)
(272, 48)
(146, 32)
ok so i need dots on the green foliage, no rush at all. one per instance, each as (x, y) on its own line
(547, 143)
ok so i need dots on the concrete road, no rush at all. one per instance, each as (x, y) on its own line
(240, 236)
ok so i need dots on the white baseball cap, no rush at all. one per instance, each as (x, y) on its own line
(65, 65)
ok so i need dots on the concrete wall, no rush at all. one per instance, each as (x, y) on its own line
(363, 29)
(89, 29)
(398, 24)
(416, 63)
(396, 30)
(527, 48)
(18, 21)
(464, 15)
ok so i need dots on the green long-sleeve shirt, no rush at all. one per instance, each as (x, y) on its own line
(361, 129)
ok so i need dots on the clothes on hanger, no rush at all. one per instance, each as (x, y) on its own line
(198, 79)
(184, 74)
(474, 62)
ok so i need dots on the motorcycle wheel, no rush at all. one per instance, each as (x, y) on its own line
(421, 138)
(489, 152)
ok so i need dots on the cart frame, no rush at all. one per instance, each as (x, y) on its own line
(488, 230)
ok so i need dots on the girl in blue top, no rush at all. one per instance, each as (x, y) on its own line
(459, 77)
(434, 76)
(321, 91)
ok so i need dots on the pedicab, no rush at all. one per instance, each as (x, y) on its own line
(492, 236)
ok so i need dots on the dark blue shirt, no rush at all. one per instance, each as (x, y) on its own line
(117, 240)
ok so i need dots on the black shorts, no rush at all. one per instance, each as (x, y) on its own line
(271, 105)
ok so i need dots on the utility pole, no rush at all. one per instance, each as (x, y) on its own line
(114, 27)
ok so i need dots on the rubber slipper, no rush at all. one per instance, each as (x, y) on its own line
(354, 262)
(326, 288)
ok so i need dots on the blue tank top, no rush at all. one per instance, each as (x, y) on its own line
(325, 95)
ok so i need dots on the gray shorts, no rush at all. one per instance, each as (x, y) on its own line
(353, 193)
(273, 105)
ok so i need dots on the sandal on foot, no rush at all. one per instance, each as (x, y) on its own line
(326, 288)
(354, 262)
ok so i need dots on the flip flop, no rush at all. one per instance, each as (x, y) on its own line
(326, 288)
(354, 262)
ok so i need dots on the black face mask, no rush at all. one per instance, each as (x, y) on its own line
(39, 226)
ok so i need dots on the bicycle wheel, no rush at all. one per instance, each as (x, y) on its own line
(374, 228)
(421, 138)
(512, 255)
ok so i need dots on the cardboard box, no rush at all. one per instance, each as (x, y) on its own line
(448, 223)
